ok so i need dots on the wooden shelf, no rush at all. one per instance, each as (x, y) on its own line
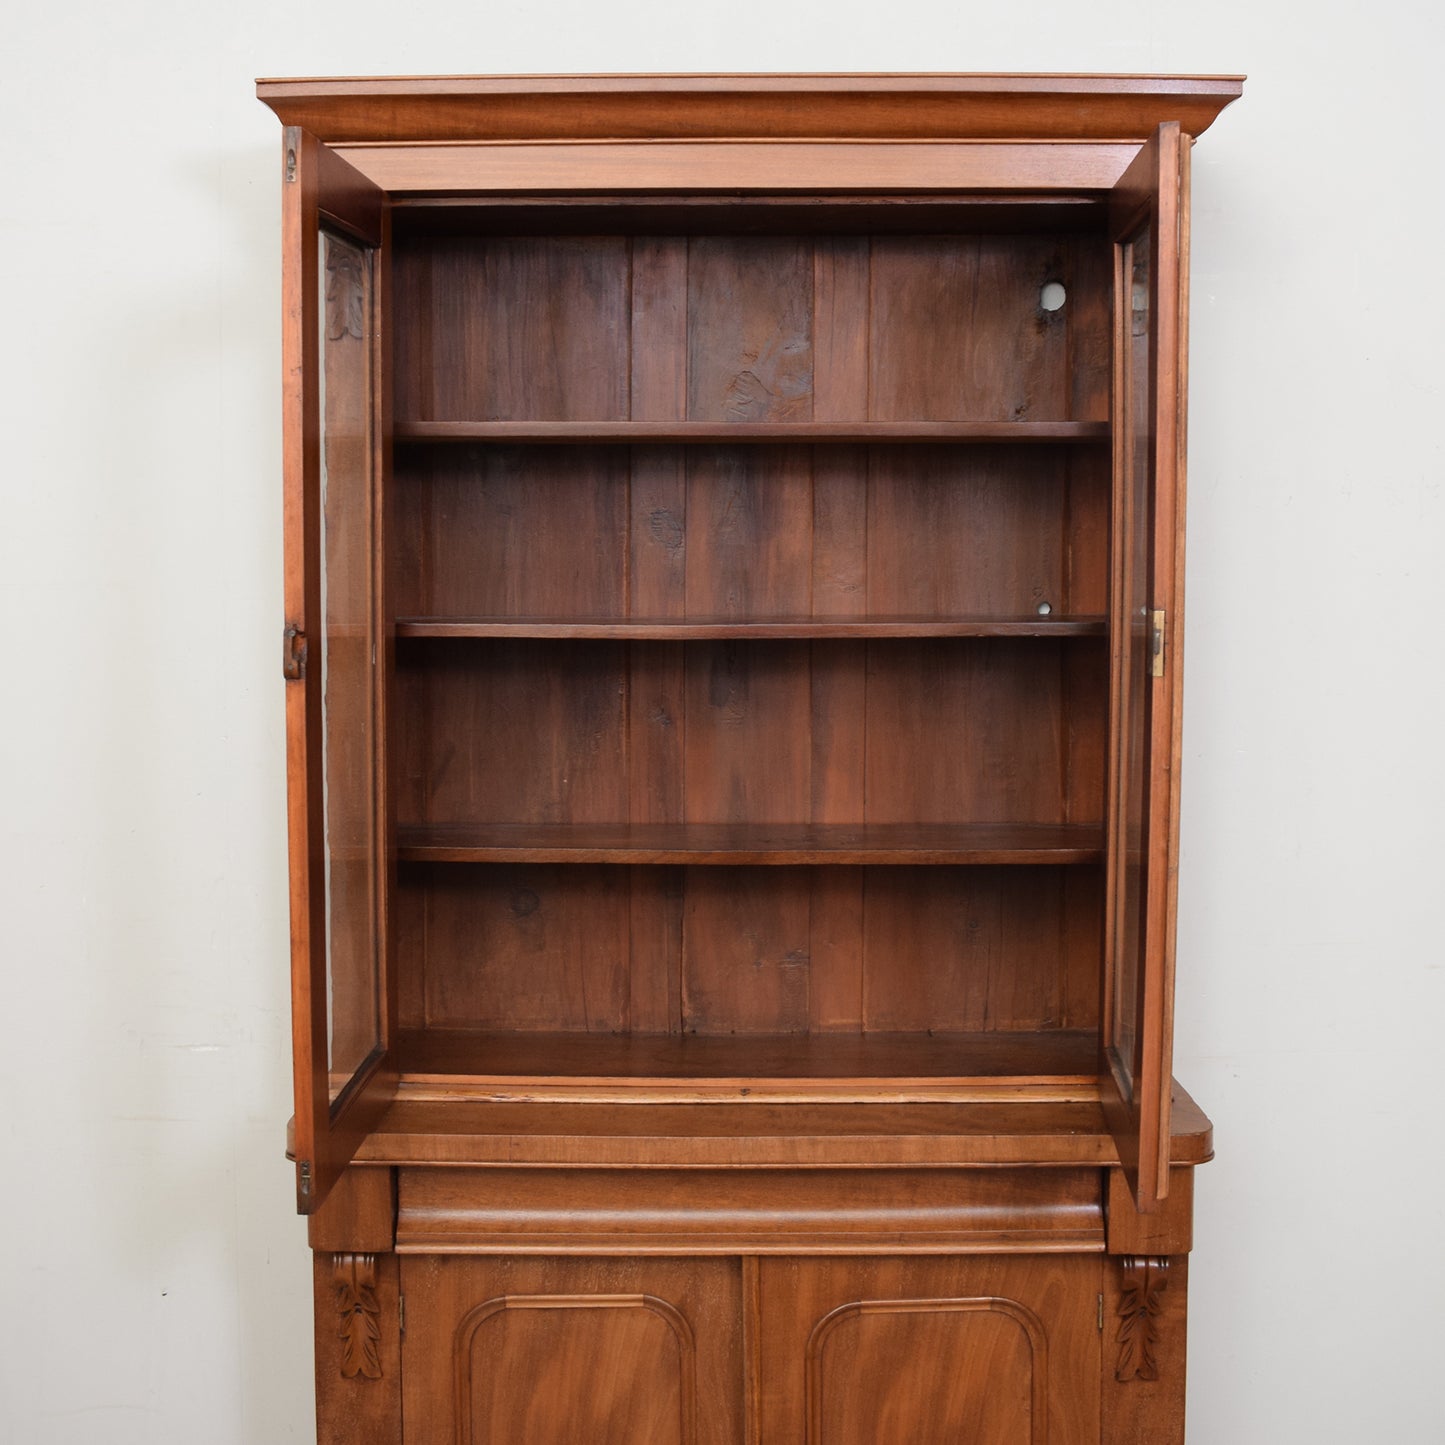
(761, 1134)
(750, 844)
(810, 433)
(760, 629)
(700, 1067)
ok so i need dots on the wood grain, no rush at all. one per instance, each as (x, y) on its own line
(449, 108)
(617, 1352)
(1001, 1351)
(712, 1212)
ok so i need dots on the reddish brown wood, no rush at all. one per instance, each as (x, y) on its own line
(998, 1127)
(333, 1111)
(736, 1062)
(358, 1348)
(1150, 206)
(636, 432)
(1145, 1310)
(1049, 107)
(701, 629)
(616, 1352)
(752, 844)
(832, 1212)
(546, 168)
(1004, 1351)
(358, 1215)
(755, 787)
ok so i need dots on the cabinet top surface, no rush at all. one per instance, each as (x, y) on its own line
(935, 106)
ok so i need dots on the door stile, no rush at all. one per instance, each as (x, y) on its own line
(325, 204)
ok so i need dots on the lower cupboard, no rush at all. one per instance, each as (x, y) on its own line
(864, 1350)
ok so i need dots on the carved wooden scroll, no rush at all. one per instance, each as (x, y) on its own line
(1144, 1281)
(354, 1280)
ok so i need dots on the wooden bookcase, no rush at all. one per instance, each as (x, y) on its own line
(733, 586)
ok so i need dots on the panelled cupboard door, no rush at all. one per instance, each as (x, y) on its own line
(1149, 218)
(335, 655)
(992, 1350)
(562, 1351)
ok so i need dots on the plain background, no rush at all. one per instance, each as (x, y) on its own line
(155, 1285)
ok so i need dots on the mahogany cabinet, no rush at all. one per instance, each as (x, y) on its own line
(733, 594)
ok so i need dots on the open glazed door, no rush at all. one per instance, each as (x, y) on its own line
(336, 656)
(1150, 221)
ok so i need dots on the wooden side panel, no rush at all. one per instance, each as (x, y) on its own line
(994, 1351)
(1146, 1312)
(556, 1351)
(358, 1349)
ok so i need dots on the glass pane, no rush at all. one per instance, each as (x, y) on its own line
(1139, 486)
(348, 658)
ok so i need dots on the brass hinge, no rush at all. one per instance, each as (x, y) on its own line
(293, 653)
(1156, 642)
(303, 1179)
(290, 164)
(1101, 1314)
(401, 1313)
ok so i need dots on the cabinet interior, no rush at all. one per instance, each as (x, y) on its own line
(749, 715)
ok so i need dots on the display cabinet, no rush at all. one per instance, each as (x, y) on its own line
(732, 638)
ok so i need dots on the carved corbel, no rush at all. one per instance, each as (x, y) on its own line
(353, 1279)
(1145, 1278)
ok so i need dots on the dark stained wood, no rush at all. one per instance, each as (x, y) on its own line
(532, 947)
(751, 844)
(780, 1062)
(501, 318)
(637, 432)
(723, 1212)
(937, 305)
(703, 629)
(849, 217)
(984, 948)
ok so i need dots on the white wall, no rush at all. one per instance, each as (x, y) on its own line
(155, 1282)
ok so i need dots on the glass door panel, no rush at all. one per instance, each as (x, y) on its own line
(348, 657)
(1149, 219)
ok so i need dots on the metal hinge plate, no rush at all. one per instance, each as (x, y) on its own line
(1101, 1314)
(401, 1313)
(293, 653)
(1156, 642)
(303, 1179)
